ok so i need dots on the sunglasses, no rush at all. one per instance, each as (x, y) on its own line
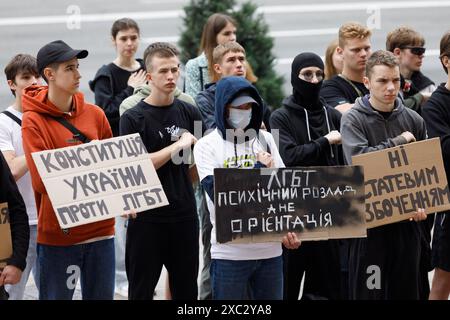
(309, 75)
(418, 51)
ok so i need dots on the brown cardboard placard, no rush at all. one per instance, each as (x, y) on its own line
(261, 205)
(100, 180)
(401, 179)
(5, 235)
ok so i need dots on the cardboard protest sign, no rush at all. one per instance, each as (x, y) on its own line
(400, 180)
(99, 180)
(259, 205)
(5, 235)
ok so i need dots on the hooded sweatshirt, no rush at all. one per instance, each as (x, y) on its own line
(304, 120)
(436, 113)
(205, 102)
(365, 130)
(142, 92)
(217, 150)
(40, 133)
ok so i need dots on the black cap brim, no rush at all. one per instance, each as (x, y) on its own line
(80, 54)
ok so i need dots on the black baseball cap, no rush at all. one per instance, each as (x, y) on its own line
(57, 51)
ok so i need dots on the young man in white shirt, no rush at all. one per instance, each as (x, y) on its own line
(21, 72)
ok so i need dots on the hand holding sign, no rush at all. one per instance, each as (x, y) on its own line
(408, 136)
(291, 241)
(419, 215)
(10, 275)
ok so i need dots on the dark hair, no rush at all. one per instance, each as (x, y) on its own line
(380, 57)
(123, 24)
(211, 29)
(402, 37)
(159, 49)
(21, 63)
(445, 48)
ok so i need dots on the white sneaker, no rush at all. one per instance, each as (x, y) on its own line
(123, 291)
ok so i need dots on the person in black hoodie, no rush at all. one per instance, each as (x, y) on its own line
(309, 136)
(20, 230)
(436, 113)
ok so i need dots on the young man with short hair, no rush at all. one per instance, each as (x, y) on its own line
(229, 59)
(21, 72)
(167, 235)
(342, 90)
(86, 250)
(143, 91)
(436, 113)
(376, 122)
(408, 46)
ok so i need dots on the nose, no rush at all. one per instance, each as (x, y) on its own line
(315, 79)
(233, 37)
(35, 80)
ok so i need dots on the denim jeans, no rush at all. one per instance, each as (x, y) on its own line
(61, 266)
(243, 279)
(16, 292)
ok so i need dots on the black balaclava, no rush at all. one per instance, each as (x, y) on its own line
(306, 94)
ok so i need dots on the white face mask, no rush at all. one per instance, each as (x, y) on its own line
(239, 118)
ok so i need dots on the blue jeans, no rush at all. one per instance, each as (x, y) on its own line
(61, 266)
(243, 279)
(16, 292)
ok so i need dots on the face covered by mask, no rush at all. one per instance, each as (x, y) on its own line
(239, 118)
(306, 93)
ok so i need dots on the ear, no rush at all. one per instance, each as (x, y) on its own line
(445, 61)
(148, 76)
(397, 52)
(11, 85)
(339, 50)
(49, 74)
(217, 68)
(113, 41)
(366, 82)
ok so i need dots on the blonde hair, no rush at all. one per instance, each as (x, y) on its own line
(352, 30)
(330, 69)
(217, 55)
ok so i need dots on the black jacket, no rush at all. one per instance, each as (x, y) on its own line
(436, 113)
(18, 218)
(302, 141)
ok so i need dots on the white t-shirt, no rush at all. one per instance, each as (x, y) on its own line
(212, 152)
(11, 140)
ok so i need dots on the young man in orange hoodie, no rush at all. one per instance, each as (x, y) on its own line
(86, 250)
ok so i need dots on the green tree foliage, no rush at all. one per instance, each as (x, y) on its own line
(252, 34)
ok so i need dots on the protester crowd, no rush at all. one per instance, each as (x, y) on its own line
(359, 100)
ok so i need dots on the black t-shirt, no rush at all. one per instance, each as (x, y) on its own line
(110, 86)
(159, 127)
(338, 91)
